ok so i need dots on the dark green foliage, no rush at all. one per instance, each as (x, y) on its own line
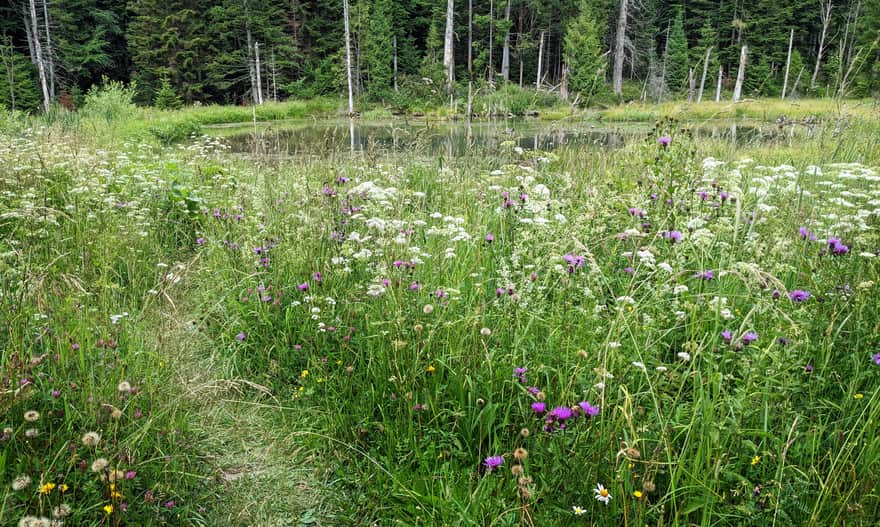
(166, 97)
(380, 49)
(583, 55)
(202, 46)
(17, 71)
(677, 63)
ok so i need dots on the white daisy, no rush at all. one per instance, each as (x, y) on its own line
(602, 494)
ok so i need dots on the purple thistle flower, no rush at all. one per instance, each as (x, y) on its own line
(672, 236)
(499, 291)
(490, 238)
(727, 335)
(876, 358)
(809, 367)
(589, 409)
(750, 337)
(200, 241)
(303, 286)
(534, 390)
(706, 275)
(776, 294)
(241, 336)
(317, 277)
(539, 407)
(493, 462)
(561, 413)
(664, 140)
(799, 295)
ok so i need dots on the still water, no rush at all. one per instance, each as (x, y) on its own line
(291, 139)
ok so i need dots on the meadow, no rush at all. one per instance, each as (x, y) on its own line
(680, 331)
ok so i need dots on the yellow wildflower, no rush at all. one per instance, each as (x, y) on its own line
(47, 488)
(756, 460)
(430, 368)
(858, 396)
(64, 487)
(304, 374)
(637, 494)
(108, 509)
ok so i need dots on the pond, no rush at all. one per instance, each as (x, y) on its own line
(422, 138)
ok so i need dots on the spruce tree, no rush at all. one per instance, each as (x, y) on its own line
(379, 49)
(676, 58)
(583, 55)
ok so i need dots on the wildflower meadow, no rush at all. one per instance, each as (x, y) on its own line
(679, 331)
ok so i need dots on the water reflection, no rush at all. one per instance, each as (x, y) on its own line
(414, 137)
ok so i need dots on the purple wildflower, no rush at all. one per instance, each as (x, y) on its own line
(727, 335)
(490, 238)
(876, 358)
(664, 140)
(672, 236)
(589, 409)
(241, 336)
(561, 413)
(539, 407)
(303, 286)
(799, 295)
(750, 337)
(809, 367)
(493, 462)
(706, 275)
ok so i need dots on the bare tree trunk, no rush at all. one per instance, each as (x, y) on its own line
(252, 71)
(274, 86)
(740, 74)
(787, 64)
(692, 81)
(30, 36)
(705, 71)
(448, 58)
(257, 69)
(718, 85)
(50, 62)
(540, 62)
(395, 63)
(348, 62)
(563, 87)
(796, 82)
(491, 42)
(505, 52)
(470, 102)
(825, 15)
(619, 42)
(38, 52)
(665, 58)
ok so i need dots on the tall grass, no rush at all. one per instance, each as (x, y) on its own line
(407, 314)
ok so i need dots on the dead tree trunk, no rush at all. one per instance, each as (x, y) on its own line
(665, 58)
(619, 43)
(540, 62)
(274, 85)
(491, 42)
(395, 63)
(50, 62)
(448, 59)
(505, 51)
(348, 59)
(29, 33)
(252, 71)
(787, 64)
(38, 52)
(740, 74)
(692, 81)
(258, 68)
(563, 87)
(705, 72)
(470, 102)
(825, 15)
